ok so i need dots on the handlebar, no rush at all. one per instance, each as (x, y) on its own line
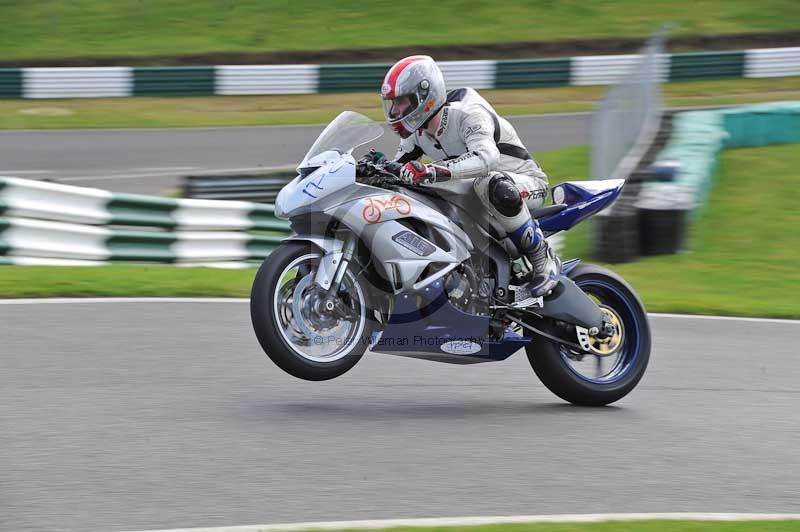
(373, 169)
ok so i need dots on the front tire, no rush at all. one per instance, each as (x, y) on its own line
(555, 364)
(291, 326)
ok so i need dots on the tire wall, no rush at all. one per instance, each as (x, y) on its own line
(697, 139)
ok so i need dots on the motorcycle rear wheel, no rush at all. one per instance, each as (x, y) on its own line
(626, 355)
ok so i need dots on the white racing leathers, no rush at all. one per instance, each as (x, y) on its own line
(473, 142)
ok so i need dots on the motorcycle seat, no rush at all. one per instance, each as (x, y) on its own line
(541, 212)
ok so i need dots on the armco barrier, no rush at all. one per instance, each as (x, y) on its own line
(697, 139)
(608, 69)
(82, 82)
(266, 79)
(26, 237)
(299, 79)
(772, 62)
(175, 81)
(532, 73)
(248, 187)
(10, 82)
(50, 223)
(712, 65)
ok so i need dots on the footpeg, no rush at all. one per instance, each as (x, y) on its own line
(524, 297)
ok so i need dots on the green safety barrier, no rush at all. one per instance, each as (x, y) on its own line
(300, 79)
(352, 78)
(533, 73)
(762, 125)
(11, 83)
(174, 81)
(709, 65)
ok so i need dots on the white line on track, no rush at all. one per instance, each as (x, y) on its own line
(157, 300)
(476, 521)
(10, 172)
(163, 168)
(726, 318)
(95, 300)
(166, 129)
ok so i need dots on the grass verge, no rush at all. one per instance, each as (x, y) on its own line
(321, 108)
(743, 256)
(120, 280)
(57, 28)
(743, 250)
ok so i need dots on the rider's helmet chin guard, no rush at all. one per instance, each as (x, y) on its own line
(412, 92)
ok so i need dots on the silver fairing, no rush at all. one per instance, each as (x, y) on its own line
(376, 216)
(326, 173)
(400, 252)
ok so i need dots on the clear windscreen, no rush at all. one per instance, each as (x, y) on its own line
(348, 131)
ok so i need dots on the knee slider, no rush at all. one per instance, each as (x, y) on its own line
(504, 195)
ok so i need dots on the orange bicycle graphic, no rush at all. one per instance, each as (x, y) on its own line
(373, 211)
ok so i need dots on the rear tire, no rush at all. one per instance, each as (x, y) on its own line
(270, 332)
(551, 362)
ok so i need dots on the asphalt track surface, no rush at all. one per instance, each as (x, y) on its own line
(134, 416)
(151, 161)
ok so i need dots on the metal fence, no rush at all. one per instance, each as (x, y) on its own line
(628, 116)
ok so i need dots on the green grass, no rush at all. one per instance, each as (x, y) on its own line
(321, 108)
(119, 280)
(745, 249)
(57, 28)
(622, 526)
(742, 259)
(568, 164)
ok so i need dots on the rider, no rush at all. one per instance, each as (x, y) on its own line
(463, 133)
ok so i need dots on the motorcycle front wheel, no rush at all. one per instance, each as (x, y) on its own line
(614, 365)
(307, 332)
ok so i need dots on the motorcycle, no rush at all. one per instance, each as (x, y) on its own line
(426, 272)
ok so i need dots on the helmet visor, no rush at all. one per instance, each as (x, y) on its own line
(400, 107)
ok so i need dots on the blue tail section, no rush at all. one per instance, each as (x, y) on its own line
(583, 199)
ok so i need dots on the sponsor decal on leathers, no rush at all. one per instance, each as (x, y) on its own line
(471, 130)
(443, 122)
(533, 194)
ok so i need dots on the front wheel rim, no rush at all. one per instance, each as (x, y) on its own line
(305, 327)
(611, 367)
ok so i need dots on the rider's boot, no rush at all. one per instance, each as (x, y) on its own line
(546, 265)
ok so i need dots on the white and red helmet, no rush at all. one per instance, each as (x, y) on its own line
(412, 91)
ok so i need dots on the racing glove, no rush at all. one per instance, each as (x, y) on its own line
(415, 173)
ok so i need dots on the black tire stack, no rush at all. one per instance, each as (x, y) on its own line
(627, 231)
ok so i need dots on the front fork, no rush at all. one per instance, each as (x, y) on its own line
(332, 267)
(348, 250)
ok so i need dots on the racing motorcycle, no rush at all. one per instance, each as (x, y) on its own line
(425, 272)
